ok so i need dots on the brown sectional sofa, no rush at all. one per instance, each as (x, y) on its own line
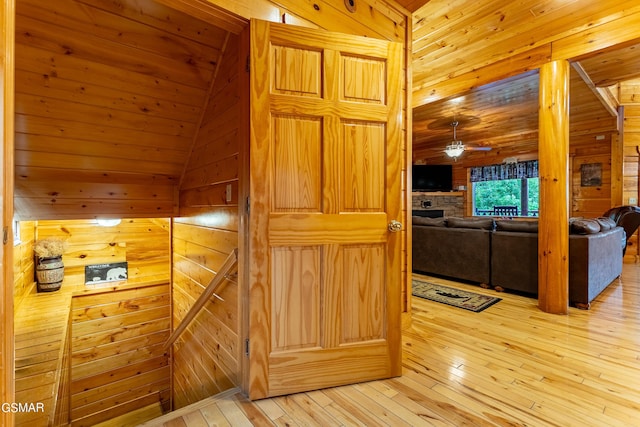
(454, 247)
(505, 253)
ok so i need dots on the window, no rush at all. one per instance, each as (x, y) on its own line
(506, 189)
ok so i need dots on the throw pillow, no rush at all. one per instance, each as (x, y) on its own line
(480, 223)
(584, 226)
(606, 223)
(434, 222)
(520, 226)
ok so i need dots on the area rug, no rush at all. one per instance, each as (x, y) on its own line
(451, 296)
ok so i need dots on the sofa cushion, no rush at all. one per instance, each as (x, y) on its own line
(434, 222)
(606, 223)
(521, 226)
(478, 223)
(584, 226)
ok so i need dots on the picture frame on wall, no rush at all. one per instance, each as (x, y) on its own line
(591, 175)
(105, 273)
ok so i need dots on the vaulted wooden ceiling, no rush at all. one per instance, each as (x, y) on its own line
(503, 114)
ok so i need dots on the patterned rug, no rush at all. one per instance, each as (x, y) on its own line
(455, 297)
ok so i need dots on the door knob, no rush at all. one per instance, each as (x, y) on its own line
(395, 226)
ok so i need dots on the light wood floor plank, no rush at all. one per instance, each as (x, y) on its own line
(509, 365)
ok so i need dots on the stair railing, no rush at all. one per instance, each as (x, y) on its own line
(208, 292)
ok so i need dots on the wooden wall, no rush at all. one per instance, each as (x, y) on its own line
(144, 243)
(372, 18)
(629, 95)
(591, 201)
(206, 358)
(108, 98)
(23, 264)
(118, 360)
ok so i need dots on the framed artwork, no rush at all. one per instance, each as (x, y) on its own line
(103, 273)
(591, 175)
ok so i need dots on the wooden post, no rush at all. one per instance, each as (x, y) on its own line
(553, 229)
(7, 88)
(617, 162)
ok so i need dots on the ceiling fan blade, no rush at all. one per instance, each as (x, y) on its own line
(478, 148)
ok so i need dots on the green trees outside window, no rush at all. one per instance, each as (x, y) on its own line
(521, 193)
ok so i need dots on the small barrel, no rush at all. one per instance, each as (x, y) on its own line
(49, 272)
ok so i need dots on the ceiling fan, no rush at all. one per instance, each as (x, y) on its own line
(456, 148)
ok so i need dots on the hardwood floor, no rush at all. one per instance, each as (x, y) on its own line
(510, 365)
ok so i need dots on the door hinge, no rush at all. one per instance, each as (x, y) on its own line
(247, 66)
(5, 235)
(246, 347)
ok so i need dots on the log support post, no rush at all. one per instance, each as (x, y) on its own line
(553, 229)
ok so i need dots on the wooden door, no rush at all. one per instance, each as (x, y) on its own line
(325, 183)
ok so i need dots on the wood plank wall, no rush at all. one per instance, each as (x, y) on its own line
(23, 264)
(588, 201)
(206, 357)
(629, 94)
(108, 99)
(118, 363)
(118, 360)
(144, 243)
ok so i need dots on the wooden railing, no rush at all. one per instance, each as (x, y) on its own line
(496, 211)
(208, 292)
(62, 399)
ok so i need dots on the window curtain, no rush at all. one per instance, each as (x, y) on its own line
(518, 170)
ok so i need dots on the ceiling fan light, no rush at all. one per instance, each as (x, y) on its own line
(454, 150)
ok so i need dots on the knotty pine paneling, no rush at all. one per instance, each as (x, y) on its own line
(143, 243)
(590, 202)
(373, 18)
(113, 373)
(206, 358)
(117, 89)
(23, 263)
(631, 183)
(494, 31)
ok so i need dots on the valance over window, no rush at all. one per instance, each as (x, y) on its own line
(518, 170)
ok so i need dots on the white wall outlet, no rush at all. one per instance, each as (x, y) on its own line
(633, 200)
(229, 192)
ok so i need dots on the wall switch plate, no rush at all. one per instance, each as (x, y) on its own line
(229, 192)
(633, 200)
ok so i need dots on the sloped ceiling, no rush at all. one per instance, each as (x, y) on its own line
(109, 96)
(453, 38)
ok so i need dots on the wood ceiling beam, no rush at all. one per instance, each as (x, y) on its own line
(210, 13)
(612, 35)
(603, 95)
(457, 85)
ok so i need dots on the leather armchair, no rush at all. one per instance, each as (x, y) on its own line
(627, 217)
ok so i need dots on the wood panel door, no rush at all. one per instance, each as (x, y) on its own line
(325, 183)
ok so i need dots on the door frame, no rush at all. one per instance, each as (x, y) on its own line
(7, 362)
